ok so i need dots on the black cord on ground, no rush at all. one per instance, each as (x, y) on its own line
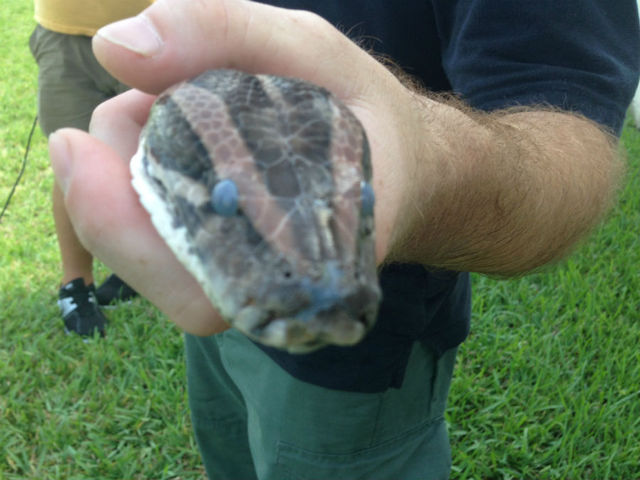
(24, 164)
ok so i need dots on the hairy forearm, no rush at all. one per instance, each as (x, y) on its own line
(501, 193)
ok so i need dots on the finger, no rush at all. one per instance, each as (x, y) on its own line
(118, 121)
(176, 39)
(111, 224)
(100, 201)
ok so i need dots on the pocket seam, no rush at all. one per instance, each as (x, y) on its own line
(287, 450)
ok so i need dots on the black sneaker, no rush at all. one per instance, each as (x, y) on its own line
(114, 290)
(80, 310)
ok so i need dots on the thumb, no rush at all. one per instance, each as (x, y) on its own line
(177, 39)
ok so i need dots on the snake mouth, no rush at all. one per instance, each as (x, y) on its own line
(309, 318)
(300, 337)
(297, 335)
(307, 314)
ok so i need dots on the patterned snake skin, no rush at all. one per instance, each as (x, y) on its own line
(260, 185)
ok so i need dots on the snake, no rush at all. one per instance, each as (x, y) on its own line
(261, 186)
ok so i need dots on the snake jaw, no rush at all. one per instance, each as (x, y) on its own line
(322, 315)
(304, 338)
(251, 319)
(297, 336)
(303, 315)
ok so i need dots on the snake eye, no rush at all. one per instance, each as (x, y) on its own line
(367, 198)
(224, 198)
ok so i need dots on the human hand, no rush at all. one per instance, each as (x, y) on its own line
(165, 45)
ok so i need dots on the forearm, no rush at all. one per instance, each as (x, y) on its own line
(500, 193)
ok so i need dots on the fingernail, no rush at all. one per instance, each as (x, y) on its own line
(137, 34)
(60, 160)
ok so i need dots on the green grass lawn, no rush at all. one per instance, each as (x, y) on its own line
(547, 386)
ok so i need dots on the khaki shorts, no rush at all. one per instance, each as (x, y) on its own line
(253, 420)
(71, 82)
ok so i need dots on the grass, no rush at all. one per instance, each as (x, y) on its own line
(547, 386)
(72, 410)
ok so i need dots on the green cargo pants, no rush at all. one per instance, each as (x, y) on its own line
(253, 420)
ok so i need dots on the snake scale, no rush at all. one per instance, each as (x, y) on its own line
(261, 186)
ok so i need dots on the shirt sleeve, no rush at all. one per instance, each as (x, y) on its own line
(578, 55)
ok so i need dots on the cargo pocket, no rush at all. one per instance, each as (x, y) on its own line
(306, 432)
(420, 453)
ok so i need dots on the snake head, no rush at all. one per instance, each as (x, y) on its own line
(261, 186)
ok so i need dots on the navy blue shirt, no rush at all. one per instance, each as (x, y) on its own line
(577, 55)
